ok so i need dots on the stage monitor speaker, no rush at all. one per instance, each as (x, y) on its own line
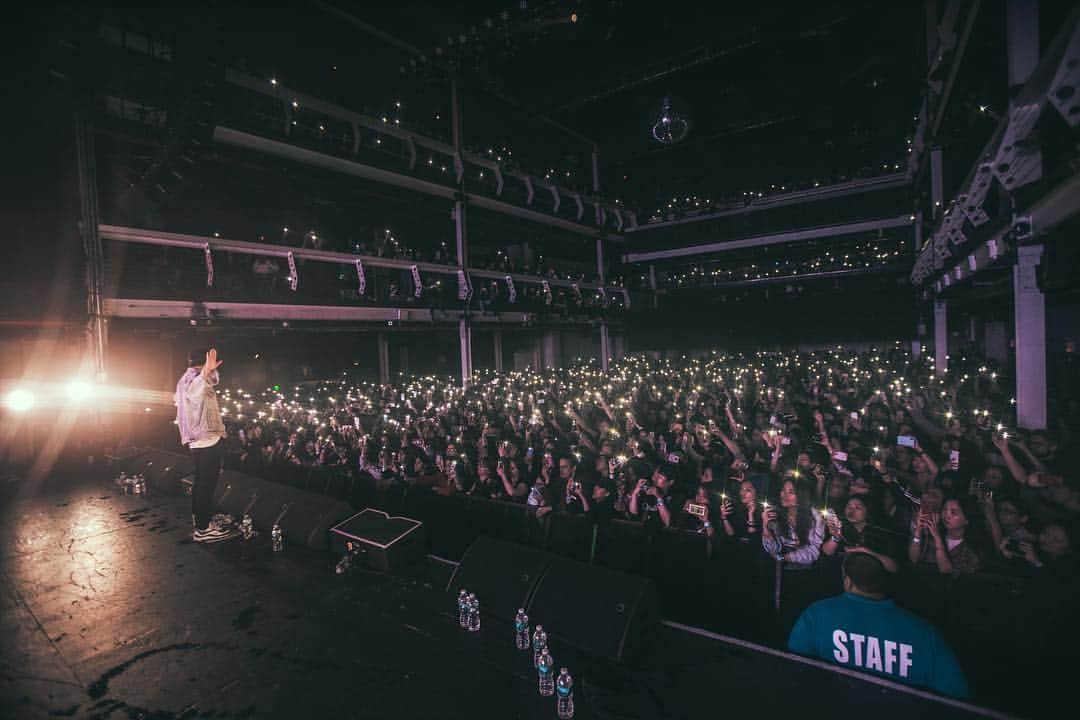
(305, 518)
(604, 613)
(163, 469)
(381, 541)
(502, 575)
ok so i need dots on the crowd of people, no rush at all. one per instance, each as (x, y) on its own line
(793, 460)
(801, 455)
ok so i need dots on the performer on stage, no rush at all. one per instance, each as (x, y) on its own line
(198, 418)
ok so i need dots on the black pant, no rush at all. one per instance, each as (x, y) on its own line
(207, 468)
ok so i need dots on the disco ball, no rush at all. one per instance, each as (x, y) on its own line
(671, 124)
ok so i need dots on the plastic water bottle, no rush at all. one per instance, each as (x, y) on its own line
(521, 630)
(277, 540)
(474, 613)
(545, 669)
(564, 704)
(463, 608)
(247, 527)
(539, 643)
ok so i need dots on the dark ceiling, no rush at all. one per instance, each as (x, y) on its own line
(777, 92)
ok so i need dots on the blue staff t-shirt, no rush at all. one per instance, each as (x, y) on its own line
(878, 637)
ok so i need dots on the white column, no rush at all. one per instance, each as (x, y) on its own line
(498, 350)
(1030, 307)
(941, 336)
(550, 349)
(465, 337)
(384, 358)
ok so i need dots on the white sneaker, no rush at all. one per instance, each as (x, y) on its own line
(212, 534)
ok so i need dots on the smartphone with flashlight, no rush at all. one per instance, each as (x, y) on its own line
(839, 456)
(697, 509)
(854, 415)
(905, 440)
(954, 460)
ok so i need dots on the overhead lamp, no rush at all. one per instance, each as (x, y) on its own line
(20, 400)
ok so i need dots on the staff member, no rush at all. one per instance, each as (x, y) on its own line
(864, 629)
(198, 418)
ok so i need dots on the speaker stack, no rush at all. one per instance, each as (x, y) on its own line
(603, 613)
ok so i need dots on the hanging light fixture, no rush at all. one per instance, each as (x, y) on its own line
(671, 124)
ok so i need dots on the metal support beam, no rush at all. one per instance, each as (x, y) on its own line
(465, 338)
(139, 308)
(243, 247)
(97, 330)
(798, 197)
(605, 343)
(1022, 36)
(605, 346)
(498, 339)
(1030, 309)
(249, 141)
(941, 337)
(774, 239)
(461, 237)
(384, 359)
(937, 191)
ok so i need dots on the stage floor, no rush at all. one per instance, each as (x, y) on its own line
(108, 610)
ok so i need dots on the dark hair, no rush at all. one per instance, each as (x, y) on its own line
(197, 356)
(866, 573)
(804, 516)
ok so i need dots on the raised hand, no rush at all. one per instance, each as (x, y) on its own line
(212, 362)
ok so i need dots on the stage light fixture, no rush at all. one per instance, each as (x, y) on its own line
(671, 125)
(20, 400)
(79, 390)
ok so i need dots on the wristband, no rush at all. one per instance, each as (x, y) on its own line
(659, 502)
(708, 524)
(836, 539)
(916, 540)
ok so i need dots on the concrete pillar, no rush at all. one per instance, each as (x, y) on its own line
(551, 349)
(605, 346)
(498, 338)
(619, 347)
(1030, 308)
(941, 336)
(465, 337)
(996, 342)
(652, 286)
(384, 358)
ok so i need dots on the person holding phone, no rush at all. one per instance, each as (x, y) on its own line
(796, 532)
(198, 418)
(941, 539)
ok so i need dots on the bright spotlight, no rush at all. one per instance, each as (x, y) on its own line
(78, 390)
(20, 400)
